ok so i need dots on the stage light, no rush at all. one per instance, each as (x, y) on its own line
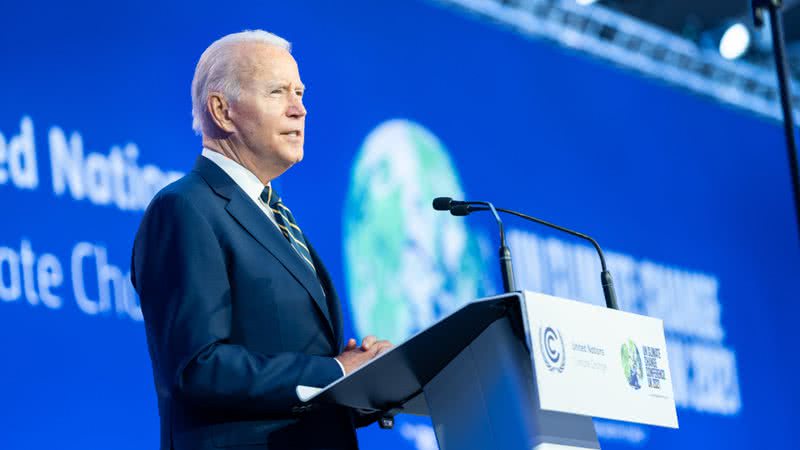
(585, 2)
(735, 41)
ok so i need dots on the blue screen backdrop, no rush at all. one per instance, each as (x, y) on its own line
(407, 100)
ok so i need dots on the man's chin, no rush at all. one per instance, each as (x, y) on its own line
(292, 158)
(298, 155)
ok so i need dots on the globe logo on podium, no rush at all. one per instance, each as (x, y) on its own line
(552, 347)
(407, 265)
(632, 364)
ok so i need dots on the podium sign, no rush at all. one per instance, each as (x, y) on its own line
(471, 372)
(599, 362)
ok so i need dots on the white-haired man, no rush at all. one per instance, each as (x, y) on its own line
(239, 310)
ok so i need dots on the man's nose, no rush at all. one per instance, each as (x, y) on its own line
(296, 108)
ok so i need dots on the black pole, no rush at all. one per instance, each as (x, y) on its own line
(459, 208)
(506, 270)
(504, 254)
(465, 208)
(609, 293)
(784, 86)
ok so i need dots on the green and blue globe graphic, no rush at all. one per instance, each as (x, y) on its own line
(632, 364)
(406, 264)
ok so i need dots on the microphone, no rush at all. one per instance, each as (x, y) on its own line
(444, 203)
(459, 208)
(506, 268)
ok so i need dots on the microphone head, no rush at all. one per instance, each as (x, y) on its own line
(442, 203)
(460, 210)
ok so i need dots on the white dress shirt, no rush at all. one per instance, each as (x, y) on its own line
(246, 180)
(253, 187)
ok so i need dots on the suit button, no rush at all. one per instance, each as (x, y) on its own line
(300, 409)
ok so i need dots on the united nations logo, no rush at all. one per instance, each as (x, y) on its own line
(552, 346)
(632, 364)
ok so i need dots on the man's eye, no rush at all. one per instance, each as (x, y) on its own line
(277, 91)
(299, 93)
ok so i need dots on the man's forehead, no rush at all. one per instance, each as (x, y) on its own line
(258, 53)
(258, 46)
(260, 60)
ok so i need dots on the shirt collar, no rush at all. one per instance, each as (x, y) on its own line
(246, 180)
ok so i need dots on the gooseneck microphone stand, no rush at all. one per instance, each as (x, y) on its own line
(504, 254)
(782, 68)
(609, 293)
(465, 208)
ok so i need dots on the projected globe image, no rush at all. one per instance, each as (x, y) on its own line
(406, 264)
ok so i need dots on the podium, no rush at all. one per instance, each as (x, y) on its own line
(519, 371)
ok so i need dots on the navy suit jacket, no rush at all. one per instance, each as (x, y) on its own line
(235, 320)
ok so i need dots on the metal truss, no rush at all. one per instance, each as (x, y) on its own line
(636, 45)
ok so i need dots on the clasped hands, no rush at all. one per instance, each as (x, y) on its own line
(355, 356)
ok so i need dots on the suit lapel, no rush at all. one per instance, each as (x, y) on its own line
(334, 306)
(252, 219)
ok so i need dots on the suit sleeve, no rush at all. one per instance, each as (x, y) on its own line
(179, 271)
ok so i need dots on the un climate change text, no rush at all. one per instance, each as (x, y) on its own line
(38, 277)
(114, 179)
(98, 286)
(703, 368)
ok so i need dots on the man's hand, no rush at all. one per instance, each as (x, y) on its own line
(355, 356)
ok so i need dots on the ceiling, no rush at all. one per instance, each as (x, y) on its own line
(697, 20)
(688, 17)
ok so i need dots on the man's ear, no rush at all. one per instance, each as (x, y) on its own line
(220, 112)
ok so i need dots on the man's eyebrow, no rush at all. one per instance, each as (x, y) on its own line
(283, 84)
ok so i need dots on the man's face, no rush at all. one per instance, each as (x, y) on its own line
(269, 114)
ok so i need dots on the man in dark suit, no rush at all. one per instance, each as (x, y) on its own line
(239, 310)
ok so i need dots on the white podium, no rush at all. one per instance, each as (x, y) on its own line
(520, 371)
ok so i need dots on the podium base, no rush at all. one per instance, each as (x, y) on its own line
(486, 398)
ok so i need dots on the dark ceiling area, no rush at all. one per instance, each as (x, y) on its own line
(703, 21)
(689, 18)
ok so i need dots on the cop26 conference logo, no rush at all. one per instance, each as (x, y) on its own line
(552, 346)
(632, 364)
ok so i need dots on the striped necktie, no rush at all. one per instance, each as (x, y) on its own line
(287, 224)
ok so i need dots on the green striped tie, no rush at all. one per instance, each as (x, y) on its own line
(287, 224)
